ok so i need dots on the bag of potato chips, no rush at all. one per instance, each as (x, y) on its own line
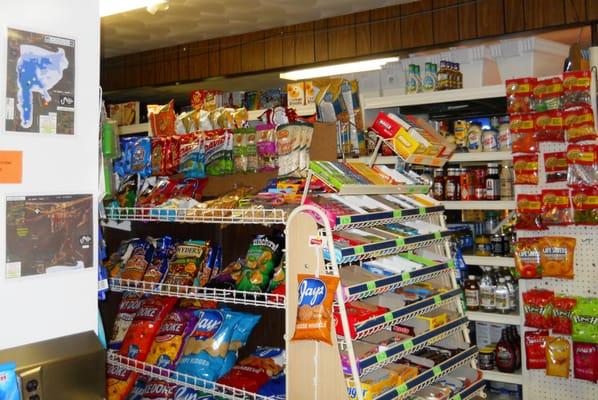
(168, 343)
(263, 255)
(558, 355)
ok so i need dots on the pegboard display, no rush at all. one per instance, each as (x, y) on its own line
(536, 384)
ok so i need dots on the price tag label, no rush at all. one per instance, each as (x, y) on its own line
(437, 371)
(371, 285)
(437, 235)
(388, 317)
(422, 210)
(381, 357)
(402, 388)
(359, 250)
(437, 299)
(408, 345)
(397, 213)
(405, 276)
(456, 397)
(451, 264)
(345, 219)
(400, 242)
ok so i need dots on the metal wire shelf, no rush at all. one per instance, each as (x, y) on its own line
(385, 217)
(177, 378)
(470, 392)
(269, 300)
(199, 215)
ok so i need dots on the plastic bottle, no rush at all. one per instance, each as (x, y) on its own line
(505, 354)
(491, 222)
(502, 297)
(442, 77)
(489, 140)
(438, 185)
(474, 137)
(460, 266)
(412, 82)
(487, 286)
(513, 292)
(506, 181)
(472, 294)
(429, 79)
(515, 341)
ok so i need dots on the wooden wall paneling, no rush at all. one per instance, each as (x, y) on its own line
(341, 37)
(167, 65)
(363, 45)
(541, 13)
(288, 46)
(514, 16)
(304, 43)
(385, 29)
(183, 63)
(446, 21)
(199, 60)
(417, 24)
(273, 48)
(490, 18)
(132, 70)
(230, 55)
(252, 52)
(321, 40)
(107, 73)
(592, 9)
(214, 57)
(468, 27)
(148, 68)
(575, 11)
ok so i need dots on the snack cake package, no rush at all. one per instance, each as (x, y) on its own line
(9, 384)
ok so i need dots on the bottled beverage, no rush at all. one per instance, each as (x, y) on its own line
(492, 182)
(460, 128)
(466, 181)
(489, 140)
(460, 266)
(505, 354)
(513, 292)
(418, 78)
(506, 182)
(505, 140)
(429, 80)
(502, 297)
(487, 286)
(438, 185)
(491, 222)
(472, 294)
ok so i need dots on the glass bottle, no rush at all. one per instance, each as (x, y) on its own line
(442, 77)
(472, 294)
(487, 286)
(502, 297)
(506, 181)
(513, 292)
(459, 76)
(438, 184)
(492, 182)
(505, 354)
(450, 185)
(517, 341)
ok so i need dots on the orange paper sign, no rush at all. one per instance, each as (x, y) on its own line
(11, 166)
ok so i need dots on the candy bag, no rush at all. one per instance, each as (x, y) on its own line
(141, 256)
(526, 169)
(255, 370)
(266, 148)
(128, 307)
(537, 306)
(239, 338)
(9, 384)
(519, 94)
(580, 125)
(527, 259)
(158, 390)
(240, 151)
(162, 119)
(529, 212)
(561, 318)
(547, 94)
(556, 207)
(535, 349)
(169, 340)
(585, 206)
(576, 88)
(583, 165)
(119, 382)
(523, 130)
(585, 320)
(585, 361)
(145, 325)
(556, 256)
(314, 307)
(262, 256)
(555, 167)
(549, 126)
(558, 355)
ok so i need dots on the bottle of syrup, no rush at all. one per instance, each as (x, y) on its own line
(504, 355)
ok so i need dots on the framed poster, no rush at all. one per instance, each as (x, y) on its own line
(48, 234)
(40, 83)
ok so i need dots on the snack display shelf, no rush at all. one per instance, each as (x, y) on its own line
(389, 283)
(401, 349)
(384, 217)
(134, 129)
(482, 157)
(480, 205)
(510, 319)
(386, 247)
(489, 261)
(430, 376)
(177, 378)
(355, 189)
(397, 316)
(470, 392)
(445, 96)
(199, 215)
(504, 377)
(269, 300)
(301, 110)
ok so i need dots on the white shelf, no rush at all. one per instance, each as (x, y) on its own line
(445, 96)
(134, 129)
(481, 157)
(495, 318)
(302, 111)
(480, 205)
(504, 377)
(490, 261)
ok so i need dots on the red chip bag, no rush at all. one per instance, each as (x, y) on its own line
(529, 212)
(255, 370)
(556, 207)
(525, 167)
(535, 349)
(145, 325)
(561, 314)
(585, 361)
(314, 307)
(537, 306)
(119, 382)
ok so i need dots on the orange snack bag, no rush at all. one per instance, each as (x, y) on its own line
(558, 357)
(556, 256)
(314, 307)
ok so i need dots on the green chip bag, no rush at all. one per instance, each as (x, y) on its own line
(263, 255)
(585, 320)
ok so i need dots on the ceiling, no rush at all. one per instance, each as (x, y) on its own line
(194, 20)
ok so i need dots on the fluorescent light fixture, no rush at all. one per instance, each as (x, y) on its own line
(111, 7)
(338, 69)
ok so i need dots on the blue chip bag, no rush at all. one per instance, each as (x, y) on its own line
(185, 393)
(239, 338)
(136, 156)
(9, 384)
(275, 387)
(205, 351)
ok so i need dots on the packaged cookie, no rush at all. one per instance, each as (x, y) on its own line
(129, 304)
(558, 356)
(263, 255)
(255, 370)
(523, 130)
(170, 338)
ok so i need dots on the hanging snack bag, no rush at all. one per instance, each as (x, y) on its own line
(9, 383)
(519, 95)
(191, 156)
(240, 150)
(561, 318)
(215, 152)
(239, 338)
(168, 343)
(537, 306)
(556, 256)
(190, 257)
(525, 167)
(556, 207)
(583, 165)
(523, 130)
(549, 126)
(585, 361)
(266, 148)
(141, 256)
(535, 349)
(585, 320)
(252, 158)
(576, 88)
(527, 259)
(585, 205)
(288, 146)
(529, 212)
(128, 307)
(263, 255)
(162, 119)
(119, 382)
(558, 356)
(580, 125)
(255, 370)
(314, 307)
(555, 167)
(547, 94)
(145, 325)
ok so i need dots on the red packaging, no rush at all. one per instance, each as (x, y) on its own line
(525, 167)
(119, 382)
(529, 212)
(556, 207)
(549, 126)
(527, 258)
(585, 205)
(255, 370)
(582, 165)
(357, 312)
(145, 325)
(535, 349)
(585, 361)
(580, 125)
(523, 130)
(385, 126)
(561, 310)
(555, 166)
(548, 93)
(576, 88)
(197, 99)
(173, 155)
(519, 94)
(537, 306)
(158, 156)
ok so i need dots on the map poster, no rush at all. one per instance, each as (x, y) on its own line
(47, 234)
(40, 83)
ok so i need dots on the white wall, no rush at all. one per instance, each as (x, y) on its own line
(44, 307)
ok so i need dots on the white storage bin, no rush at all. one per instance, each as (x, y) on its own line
(529, 57)
(476, 64)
